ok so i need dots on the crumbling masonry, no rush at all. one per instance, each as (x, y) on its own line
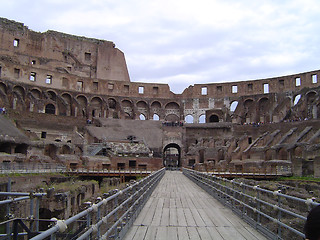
(73, 104)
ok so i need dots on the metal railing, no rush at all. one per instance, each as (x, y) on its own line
(12, 222)
(273, 213)
(8, 167)
(109, 218)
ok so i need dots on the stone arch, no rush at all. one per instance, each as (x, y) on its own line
(269, 154)
(263, 110)
(156, 105)
(36, 93)
(233, 106)
(311, 96)
(3, 94)
(19, 91)
(298, 151)
(214, 118)
(142, 108)
(142, 116)
(50, 109)
(82, 102)
(172, 118)
(51, 151)
(172, 155)
(18, 101)
(52, 95)
(127, 107)
(172, 111)
(189, 119)
(156, 117)
(65, 149)
(248, 103)
(296, 99)
(282, 154)
(3, 88)
(112, 103)
(96, 107)
(66, 107)
(156, 109)
(202, 118)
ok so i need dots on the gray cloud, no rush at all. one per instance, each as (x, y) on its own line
(187, 42)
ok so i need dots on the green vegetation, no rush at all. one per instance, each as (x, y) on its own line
(296, 178)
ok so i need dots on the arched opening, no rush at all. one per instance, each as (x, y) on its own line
(296, 99)
(142, 117)
(202, 119)
(51, 151)
(52, 95)
(50, 109)
(233, 106)
(21, 148)
(172, 118)
(156, 117)
(189, 119)
(171, 156)
(214, 118)
(36, 93)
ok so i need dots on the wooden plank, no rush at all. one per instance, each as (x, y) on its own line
(183, 233)
(230, 233)
(204, 234)
(151, 233)
(197, 218)
(173, 218)
(182, 221)
(132, 231)
(140, 233)
(161, 233)
(189, 218)
(193, 233)
(172, 233)
(165, 217)
(214, 233)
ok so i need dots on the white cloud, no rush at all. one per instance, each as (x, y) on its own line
(183, 42)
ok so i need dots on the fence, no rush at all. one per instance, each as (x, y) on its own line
(111, 217)
(9, 167)
(276, 215)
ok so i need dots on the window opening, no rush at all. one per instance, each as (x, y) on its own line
(126, 88)
(250, 87)
(16, 42)
(204, 91)
(249, 140)
(49, 79)
(155, 90)
(314, 78)
(87, 56)
(235, 89)
(110, 87)
(95, 86)
(189, 119)
(43, 134)
(33, 76)
(281, 83)
(202, 119)
(16, 72)
(266, 88)
(156, 117)
(298, 82)
(141, 90)
(33, 62)
(219, 89)
(79, 85)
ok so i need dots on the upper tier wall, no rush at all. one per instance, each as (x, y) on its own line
(71, 63)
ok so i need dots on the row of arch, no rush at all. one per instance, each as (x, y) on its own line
(69, 104)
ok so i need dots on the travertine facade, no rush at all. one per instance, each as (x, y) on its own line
(229, 125)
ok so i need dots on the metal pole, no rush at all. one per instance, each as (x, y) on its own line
(8, 231)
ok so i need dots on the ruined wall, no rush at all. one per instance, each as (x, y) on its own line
(73, 79)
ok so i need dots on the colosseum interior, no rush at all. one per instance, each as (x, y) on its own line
(68, 100)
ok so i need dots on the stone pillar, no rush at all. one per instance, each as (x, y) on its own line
(297, 166)
(316, 167)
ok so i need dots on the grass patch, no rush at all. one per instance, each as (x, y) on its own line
(296, 178)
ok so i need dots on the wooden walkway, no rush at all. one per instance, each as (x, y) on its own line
(179, 209)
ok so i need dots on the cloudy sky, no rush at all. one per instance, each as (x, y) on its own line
(183, 42)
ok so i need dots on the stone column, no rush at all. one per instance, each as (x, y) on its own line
(316, 167)
(297, 166)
